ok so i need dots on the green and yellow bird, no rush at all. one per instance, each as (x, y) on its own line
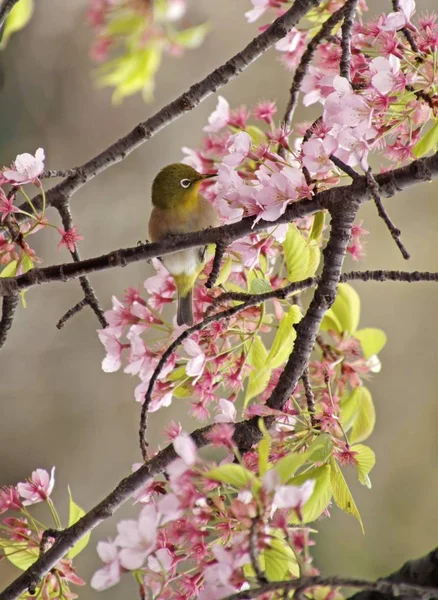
(179, 208)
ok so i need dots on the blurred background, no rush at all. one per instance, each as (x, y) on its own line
(59, 408)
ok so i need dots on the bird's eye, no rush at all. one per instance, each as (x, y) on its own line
(185, 183)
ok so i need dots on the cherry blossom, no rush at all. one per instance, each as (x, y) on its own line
(69, 238)
(38, 488)
(402, 18)
(345, 107)
(316, 154)
(220, 117)
(137, 539)
(108, 575)
(185, 447)
(6, 205)
(26, 168)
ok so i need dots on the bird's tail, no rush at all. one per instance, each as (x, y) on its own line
(184, 315)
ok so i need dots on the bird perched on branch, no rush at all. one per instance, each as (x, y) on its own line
(179, 208)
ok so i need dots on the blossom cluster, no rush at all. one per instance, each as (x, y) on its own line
(131, 37)
(16, 256)
(21, 534)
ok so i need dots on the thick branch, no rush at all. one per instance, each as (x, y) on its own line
(420, 572)
(325, 294)
(381, 586)
(389, 184)
(184, 103)
(8, 311)
(347, 29)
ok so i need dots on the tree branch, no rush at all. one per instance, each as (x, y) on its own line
(10, 304)
(389, 183)
(381, 586)
(347, 28)
(196, 94)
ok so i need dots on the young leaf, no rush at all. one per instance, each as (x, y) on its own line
(289, 464)
(259, 286)
(75, 512)
(283, 342)
(372, 340)
(428, 142)
(363, 424)
(296, 253)
(279, 560)
(317, 226)
(319, 500)
(10, 269)
(18, 553)
(263, 452)
(192, 37)
(341, 493)
(232, 474)
(225, 271)
(321, 448)
(260, 374)
(366, 459)
(17, 19)
(345, 312)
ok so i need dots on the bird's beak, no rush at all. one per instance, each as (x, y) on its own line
(209, 176)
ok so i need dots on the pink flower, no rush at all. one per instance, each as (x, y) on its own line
(402, 18)
(69, 238)
(228, 412)
(344, 107)
(186, 448)
(26, 168)
(265, 110)
(387, 75)
(260, 7)
(137, 538)
(9, 499)
(221, 434)
(6, 206)
(292, 496)
(113, 359)
(278, 190)
(317, 85)
(161, 561)
(238, 146)
(316, 154)
(196, 364)
(108, 575)
(38, 488)
(290, 42)
(169, 508)
(355, 144)
(219, 118)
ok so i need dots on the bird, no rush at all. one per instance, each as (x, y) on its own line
(179, 208)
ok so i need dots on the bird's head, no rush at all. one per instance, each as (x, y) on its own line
(176, 184)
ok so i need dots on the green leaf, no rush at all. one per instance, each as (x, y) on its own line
(284, 338)
(317, 226)
(185, 390)
(18, 553)
(363, 424)
(75, 512)
(225, 271)
(177, 373)
(257, 135)
(289, 464)
(232, 474)
(17, 19)
(10, 269)
(372, 340)
(319, 500)
(296, 253)
(314, 258)
(259, 377)
(321, 448)
(365, 459)
(344, 315)
(259, 286)
(341, 493)
(26, 264)
(428, 142)
(264, 448)
(192, 37)
(279, 560)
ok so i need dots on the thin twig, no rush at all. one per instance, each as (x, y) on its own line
(260, 576)
(71, 313)
(408, 34)
(221, 246)
(10, 304)
(5, 8)
(303, 66)
(90, 297)
(393, 230)
(344, 167)
(196, 94)
(347, 32)
(310, 396)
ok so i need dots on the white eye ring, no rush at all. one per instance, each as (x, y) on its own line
(185, 183)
